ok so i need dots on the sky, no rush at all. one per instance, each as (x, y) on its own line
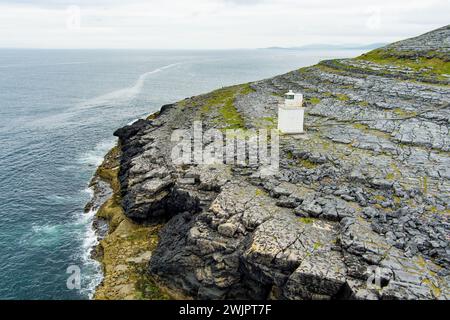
(213, 24)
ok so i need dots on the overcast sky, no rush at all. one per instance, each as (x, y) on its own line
(200, 24)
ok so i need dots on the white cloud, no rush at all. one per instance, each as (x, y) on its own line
(215, 23)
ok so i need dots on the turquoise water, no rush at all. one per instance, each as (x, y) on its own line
(58, 109)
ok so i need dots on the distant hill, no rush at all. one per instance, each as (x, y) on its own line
(331, 47)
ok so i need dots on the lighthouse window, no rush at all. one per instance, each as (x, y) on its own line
(290, 96)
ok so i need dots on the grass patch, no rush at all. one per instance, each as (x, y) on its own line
(360, 126)
(427, 66)
(390, 176)
(364, 104)
(260, 192)
(231, 116)
(246, 89)
(307, 164)
(317, 245)
(306, 220)
(403, 113)
(342, 97)
(425, 185)
(314, 100)
(223, 99)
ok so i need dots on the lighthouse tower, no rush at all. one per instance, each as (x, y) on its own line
(290, 114)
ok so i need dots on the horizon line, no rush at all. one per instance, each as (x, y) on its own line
(303, 47)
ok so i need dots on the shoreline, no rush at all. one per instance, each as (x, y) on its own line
(124, 247)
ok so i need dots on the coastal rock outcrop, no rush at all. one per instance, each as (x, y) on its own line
(358, 209)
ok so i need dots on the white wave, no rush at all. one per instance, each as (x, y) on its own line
(94, 276)
(94, 157)
(125, 94)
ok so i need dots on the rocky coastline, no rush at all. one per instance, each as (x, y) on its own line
(359, 209)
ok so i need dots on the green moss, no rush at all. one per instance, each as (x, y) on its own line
(342, 97)
(360, 126)
(425, 185)
(307, 164)
(231, 116)
(182, 103)
(148, 289)
(434, 289)
(223, 101)
(269, 119)
(246, 89)
(153, 116)
(403, 113)
(302, 70)
(260, 192)
(433, 66)
(317, 245)
(125, 273)
(327, 68)
(111, 211)
(314, 100)
(364, 104)
(390, 176)
(109, 169)
(306, 220)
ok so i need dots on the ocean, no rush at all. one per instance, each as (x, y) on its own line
(58, 110)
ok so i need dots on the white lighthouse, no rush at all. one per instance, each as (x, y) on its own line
(290, 114)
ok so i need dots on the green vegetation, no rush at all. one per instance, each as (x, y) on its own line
(390, 176)
(327, 69)
(433, 66)
(223, 99)
(246, 89)
(154, 115)
(314, 100)
(403, 113)
(425, 185)
(125, 250)
(360, 126)
(307, 164)
(147, 289)
(260, 192)
(317, 245)
(380, 198)
(434, 289)
(364, 104)
(109, 169)
(231, 116)
(342, 97)
(306, 220)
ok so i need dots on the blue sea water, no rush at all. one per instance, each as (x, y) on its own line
(58, 109)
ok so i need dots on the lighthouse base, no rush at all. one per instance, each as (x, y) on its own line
(290, 121)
